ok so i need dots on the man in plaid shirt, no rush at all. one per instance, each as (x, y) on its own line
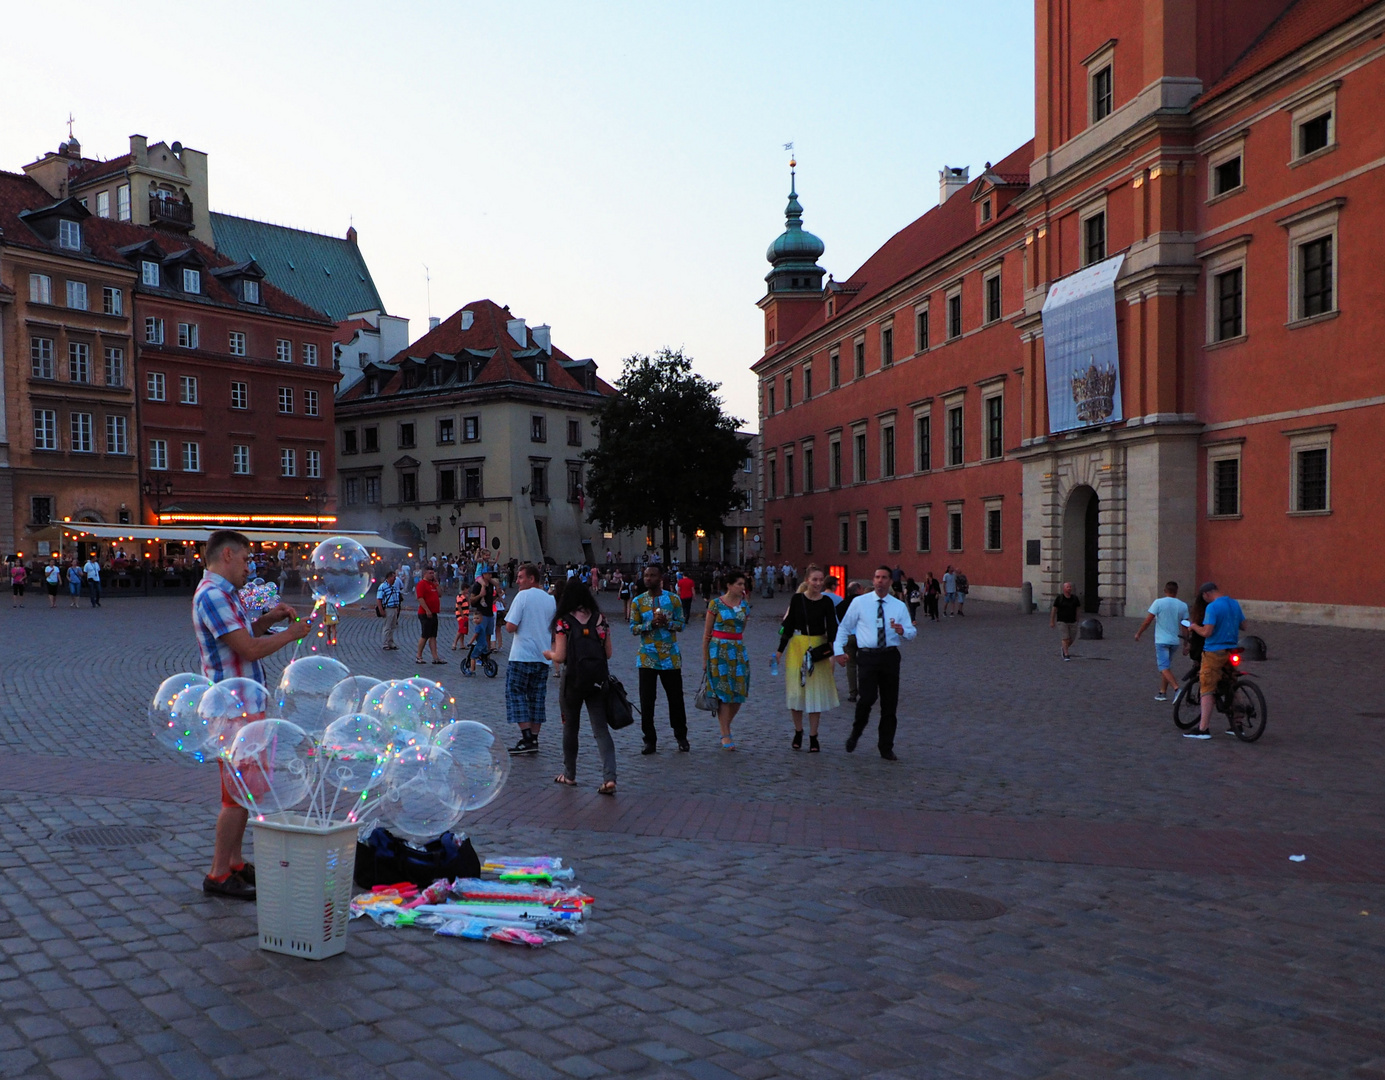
(232, 645)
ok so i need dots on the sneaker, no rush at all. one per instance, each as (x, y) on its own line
(525, 746)
(234, 887)
(1066, 659)
(683, 746)
(851, 741)
(1161, 697)
(1197, 734)
(888, 755)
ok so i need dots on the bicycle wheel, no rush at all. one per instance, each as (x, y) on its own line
(491, 667)
(1249, 713)
(1187, 705)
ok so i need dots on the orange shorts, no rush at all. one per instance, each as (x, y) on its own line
(1213, 663)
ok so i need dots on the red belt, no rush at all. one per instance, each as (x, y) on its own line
(725, 636)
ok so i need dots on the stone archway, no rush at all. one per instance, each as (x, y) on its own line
(1081, 544)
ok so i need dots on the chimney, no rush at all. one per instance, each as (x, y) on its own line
(467, 318)
(543, 338)
(433, 322)
(517, 331)
(952, 180)
(351, 233)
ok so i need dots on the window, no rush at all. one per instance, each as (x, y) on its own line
(1101, 93)
(112, 301)
(770, 400)
(283, 352)
(862, 534)
(192, 281)
(788, 472)
(1315, 277)
(80, 424)
(371, 437)
(995, 426)
(192, 457)
(79, 361)
(892, 531)
(471, 429)
(807, 381)
(860, 359)
(843, 535)
(77, 295)
(41, 358)
(309, 354)
(807, 468)
(350, 491)
(122, 202)
(921, 330)
(778, 538)
(788, 390)
(538, 429)
(187, 335)
(236, 343)
(154, 331)
(240, 460)
(954, 435)
(834, 370)
(1230, 294)
(860, 462)
(1224, 481)
(993, 298)
(1226, 176)
(40, 289)
(538, 480)
(993, 536)
(187, 389)
(1312, 260)
(117, 435)
(348, 441)
(41, 509)
(834, 463)
(45, 429)
(1094, 239)
(471, 482)
(887, 450)
(574, 432)
(1311, 475)
(447, 431)
(886, 346)
(249, 290)
(807, 537)
(240, 396)
(923, 442)
(313, 460)
(923, 529)
(286, 402)
(288, 462)
(115, 366)
(773, 477)
(310, 407)
(541, 370)
(154, 384)
(574, 483)
(103, 204)
(69, 235)
(149, 273)
(406, 436)
(954, 529)
(954, 315)
(984, 211)
(1313, 123)
(372, 490)
(1313, 135)
(158, 454)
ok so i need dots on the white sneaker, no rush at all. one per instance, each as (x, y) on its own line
(1161, 697)
(1195, 734)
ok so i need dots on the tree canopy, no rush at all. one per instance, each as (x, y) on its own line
(667, 453)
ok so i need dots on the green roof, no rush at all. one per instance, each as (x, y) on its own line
(325, 272)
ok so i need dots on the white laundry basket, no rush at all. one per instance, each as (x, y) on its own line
(303, 885)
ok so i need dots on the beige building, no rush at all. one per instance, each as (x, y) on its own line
(472, 438)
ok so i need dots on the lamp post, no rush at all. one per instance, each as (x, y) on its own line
(318, 497)
(157, 490)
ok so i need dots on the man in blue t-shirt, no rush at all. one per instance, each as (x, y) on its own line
(1221, 626)
(1167, 614)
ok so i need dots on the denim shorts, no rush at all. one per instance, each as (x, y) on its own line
(1163, 656)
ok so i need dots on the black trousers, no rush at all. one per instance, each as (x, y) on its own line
(878, 674)
(672, 679)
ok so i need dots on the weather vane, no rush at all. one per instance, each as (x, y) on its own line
(789, 147)
(70, 120)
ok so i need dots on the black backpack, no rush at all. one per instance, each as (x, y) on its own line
(385, 859)
(586, 658)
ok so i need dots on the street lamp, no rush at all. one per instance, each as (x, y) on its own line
(157, 490)
(318, 497)
(452, 517)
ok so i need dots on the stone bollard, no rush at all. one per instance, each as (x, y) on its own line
(1026, 599)
(1253, 648)
(1090, 630)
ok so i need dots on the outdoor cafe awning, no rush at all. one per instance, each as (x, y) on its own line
(189, 534)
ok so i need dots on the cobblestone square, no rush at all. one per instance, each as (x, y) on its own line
(1153, 925)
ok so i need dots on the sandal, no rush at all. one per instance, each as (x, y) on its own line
(565, 780)
(608, 788)
(727, 743)
(813, 747)
(798, 740)
(439, 661)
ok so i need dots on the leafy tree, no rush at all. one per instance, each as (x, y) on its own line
(666, 454)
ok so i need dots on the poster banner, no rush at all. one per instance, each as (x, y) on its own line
(1080, 355)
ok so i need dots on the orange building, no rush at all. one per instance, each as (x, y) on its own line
(1203, 184)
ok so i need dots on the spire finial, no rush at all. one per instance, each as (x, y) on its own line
(70, 121)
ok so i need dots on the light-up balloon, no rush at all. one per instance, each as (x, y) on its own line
(304, 689)
(162, 722)
(480, 761)
(348, 696)
(421, 800)
(340, 571)
(273, 764)
(227, 707)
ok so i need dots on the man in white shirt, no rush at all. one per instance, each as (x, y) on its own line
(92, 572)
(1167, 614)
(949, 592)
(880, 622)
(529, 619)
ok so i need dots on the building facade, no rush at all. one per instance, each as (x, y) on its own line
(1221, 151)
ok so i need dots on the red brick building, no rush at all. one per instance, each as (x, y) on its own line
(1222, 150)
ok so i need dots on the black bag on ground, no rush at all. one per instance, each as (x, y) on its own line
(385, 859)
(619, 712)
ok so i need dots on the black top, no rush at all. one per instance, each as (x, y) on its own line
(1067, 607)
(811, 617)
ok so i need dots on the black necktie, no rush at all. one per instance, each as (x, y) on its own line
(880, 623)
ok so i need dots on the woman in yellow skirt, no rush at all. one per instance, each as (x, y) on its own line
(810, 622)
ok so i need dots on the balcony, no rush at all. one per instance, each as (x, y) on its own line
(170, 213)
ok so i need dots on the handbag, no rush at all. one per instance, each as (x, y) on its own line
(822, 652)
(619, 712)
(704, 700)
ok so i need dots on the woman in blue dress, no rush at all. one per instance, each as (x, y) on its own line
(724, 654)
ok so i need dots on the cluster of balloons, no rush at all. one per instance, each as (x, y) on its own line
(259, 595)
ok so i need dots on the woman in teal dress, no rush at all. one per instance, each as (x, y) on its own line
(724, 655)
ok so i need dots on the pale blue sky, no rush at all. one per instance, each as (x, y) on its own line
(613, 169)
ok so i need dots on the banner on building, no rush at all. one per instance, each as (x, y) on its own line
(1080, 354)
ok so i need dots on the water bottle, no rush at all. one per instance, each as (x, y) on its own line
(774, 664)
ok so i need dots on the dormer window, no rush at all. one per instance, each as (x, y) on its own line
(250, 291)
(372, 385)
(435, 375)
(192, 281)
(149, 272)
(541, 370)
(985, 211)
(69, 235)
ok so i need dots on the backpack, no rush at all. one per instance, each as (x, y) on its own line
(385, 859)
(586, 658)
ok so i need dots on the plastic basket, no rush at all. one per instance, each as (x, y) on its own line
(303, 885)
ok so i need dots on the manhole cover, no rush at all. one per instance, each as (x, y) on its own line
(919, 901)
(113, 836)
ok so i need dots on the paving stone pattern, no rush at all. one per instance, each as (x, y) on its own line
(1145, 933)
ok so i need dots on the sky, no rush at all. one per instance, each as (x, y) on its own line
(615, 170)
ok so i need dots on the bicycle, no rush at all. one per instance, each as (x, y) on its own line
(472, 657)
(1241, 701)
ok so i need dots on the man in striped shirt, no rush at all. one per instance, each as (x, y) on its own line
(232, 645)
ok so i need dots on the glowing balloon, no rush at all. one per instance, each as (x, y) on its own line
(439, 706)
(355, 749)
(348, 696)
(402, 706)
(187, 720)
(421, 799)
(340, 570)
(480, 761)
(167, 729)
(273, 765)
(304, 688)
(227, 707)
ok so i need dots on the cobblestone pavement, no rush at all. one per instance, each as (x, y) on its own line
(1154, 925)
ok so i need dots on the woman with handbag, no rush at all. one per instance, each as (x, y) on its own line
(582, 648)
(805, 637)
(724, 657)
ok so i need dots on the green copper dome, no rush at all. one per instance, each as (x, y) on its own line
(794, 254)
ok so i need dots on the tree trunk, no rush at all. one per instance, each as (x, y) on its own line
(668, 545)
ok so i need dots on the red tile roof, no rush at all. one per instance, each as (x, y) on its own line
(347, 330)
(90, 171)
(1300, 24)
(941, 230)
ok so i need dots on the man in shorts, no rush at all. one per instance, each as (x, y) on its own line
(949, 592)
(530, 623)
(1066, 606)
(1167, 614)
(231, 646)
(429, 606)
(1221, 626)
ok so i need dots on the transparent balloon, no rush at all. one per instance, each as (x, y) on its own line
(348, 696)
(403, 706)
(421, 796)
(272, 763)
(340, 571)
(166, 728)
(227, 707)
(439, 706)
(191, 728)
(480, 761)
(304, 690)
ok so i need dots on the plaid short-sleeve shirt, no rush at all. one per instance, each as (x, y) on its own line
(217, 611)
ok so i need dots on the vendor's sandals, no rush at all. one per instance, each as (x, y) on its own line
(565, 780)
(727, 743)
(608, 788)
